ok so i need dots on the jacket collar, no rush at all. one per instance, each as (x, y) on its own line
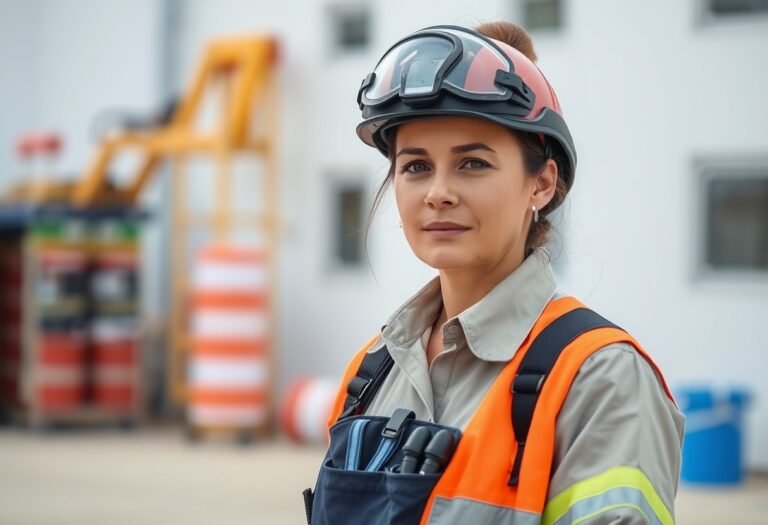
(495, 326)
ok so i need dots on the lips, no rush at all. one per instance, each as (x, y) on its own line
(444, 230)
(444, 226)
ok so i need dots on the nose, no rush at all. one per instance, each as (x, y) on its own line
(440, 194)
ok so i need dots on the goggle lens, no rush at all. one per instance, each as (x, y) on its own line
(416, 64)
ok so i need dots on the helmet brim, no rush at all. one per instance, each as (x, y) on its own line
(373, 131)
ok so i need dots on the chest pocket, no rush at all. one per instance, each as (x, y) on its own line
(380, 470)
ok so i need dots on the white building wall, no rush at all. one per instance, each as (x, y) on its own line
(19, 44)
(64, 62)
(96, 56)
(668, 90)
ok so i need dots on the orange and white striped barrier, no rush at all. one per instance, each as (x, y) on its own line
(306, 407)
(228, 369)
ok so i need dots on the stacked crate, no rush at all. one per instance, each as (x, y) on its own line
(69, 324)
(115, 321)
(10, 325)
(55, 329)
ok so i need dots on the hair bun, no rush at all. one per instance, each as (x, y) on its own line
(511, 34)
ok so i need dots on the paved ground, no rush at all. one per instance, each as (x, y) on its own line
(155, 478)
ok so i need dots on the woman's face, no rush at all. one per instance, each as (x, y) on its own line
(462, 192)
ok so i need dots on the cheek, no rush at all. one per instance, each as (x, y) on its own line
(399, 198)
(408, 207)
(501, 209)
(406, 200)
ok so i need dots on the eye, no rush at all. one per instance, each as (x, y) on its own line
(476, 164)
(415, 166)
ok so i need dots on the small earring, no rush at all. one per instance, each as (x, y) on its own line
(535, 214)
(400, 223)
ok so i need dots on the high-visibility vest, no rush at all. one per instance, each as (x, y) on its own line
(479, 472)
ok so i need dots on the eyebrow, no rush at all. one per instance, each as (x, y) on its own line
(463, 148)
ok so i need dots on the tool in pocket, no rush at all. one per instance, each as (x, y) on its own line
(362, 473)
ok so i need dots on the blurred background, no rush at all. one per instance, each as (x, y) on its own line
(184, 275)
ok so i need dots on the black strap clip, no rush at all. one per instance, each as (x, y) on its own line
(356, 389)
(367, 81)
(363, 387)
(528, 383)
(521, 93)
(358, 386)
(396, 423)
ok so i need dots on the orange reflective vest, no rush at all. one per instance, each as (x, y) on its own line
(481, 465)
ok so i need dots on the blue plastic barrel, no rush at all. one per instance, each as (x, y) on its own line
(713, 440)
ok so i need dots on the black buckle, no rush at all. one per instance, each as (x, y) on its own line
(528, 383)
(396, 423)
(523, 95)
(356, 389)
(367, 81)
(358, 386)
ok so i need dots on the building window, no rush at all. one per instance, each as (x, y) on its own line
(724, 8)
(711, 12)
(349, 26)
(541, 14)
(735, 236)
(348, 224)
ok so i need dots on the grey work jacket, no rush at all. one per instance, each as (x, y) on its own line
(637, 425)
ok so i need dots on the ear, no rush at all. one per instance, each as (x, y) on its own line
(545, 185)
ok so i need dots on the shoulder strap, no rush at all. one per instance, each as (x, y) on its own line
(364, 385)
(535, 367)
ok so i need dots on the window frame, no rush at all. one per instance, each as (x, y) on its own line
(706, 18)
(519, 12)
(337, 181)
(705, 170)
(340, 8)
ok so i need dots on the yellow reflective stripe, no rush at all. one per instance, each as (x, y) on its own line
(615, 478)
(609, 507)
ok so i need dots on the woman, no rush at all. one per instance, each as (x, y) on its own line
(559, 415)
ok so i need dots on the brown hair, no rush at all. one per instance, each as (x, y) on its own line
(535, 154)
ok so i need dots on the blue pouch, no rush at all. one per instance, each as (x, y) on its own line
(359, 479)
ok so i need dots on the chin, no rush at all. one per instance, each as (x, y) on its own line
(446, 259)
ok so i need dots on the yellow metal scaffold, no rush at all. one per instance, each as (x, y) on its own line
(243, 71)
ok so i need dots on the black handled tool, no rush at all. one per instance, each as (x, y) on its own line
(438, 452)
(413, 450)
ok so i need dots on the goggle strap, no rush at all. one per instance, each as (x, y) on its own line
(515, 84)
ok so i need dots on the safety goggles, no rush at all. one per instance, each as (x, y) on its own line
(446, 59)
